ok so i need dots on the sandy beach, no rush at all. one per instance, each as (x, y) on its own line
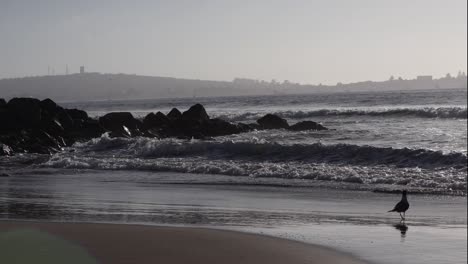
(136, 203)
(111, 243)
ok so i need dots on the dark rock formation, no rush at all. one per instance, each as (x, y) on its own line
(5, 150)
(158, 120)
(86, 129)
(193, 123)
(26, 112)
(121, 124)
(307, 125)
(218, 127)
(174, 114)
(31, 125)
(196, 113)
(77, 114)
(7, 119)
(249, 127)
(270, 121)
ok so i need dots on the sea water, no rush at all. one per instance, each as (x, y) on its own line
(385, 141)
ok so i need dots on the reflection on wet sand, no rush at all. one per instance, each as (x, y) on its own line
(403, 228)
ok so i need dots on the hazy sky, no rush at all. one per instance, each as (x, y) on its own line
(307, 41)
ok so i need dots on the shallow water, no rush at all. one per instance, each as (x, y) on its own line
(351, 221)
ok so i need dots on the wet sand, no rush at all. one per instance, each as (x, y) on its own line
(112, 243)
(349, 221)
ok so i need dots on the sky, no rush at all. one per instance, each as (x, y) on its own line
(305, 41)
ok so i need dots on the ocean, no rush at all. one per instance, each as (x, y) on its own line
(331, 188)
(382, 141)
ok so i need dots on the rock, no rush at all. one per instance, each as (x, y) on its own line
(77, 114)
(31, 125)
(218, 127)
(86, 129)
(27, 112)
(121, 124)
(53, 113)
(116, 120)
(7, 119)
(152, 133)
(270, 121)
(158, 120)
(193, 123)
(53, 127)
(92, 129)
(39, 141)
(5, 150)
(185, 128)
(65, 119)
(50, 107)
(174, 114)
(307, 125)
(197, 113)
(251, 126)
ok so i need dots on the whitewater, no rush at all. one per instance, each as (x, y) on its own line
(381, 141)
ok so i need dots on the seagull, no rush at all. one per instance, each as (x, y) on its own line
(401, 206)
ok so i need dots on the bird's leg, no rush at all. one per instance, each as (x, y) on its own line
(401, 216)
(404, 215)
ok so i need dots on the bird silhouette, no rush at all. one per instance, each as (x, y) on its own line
(402, 206)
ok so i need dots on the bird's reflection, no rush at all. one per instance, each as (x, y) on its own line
(403, 229)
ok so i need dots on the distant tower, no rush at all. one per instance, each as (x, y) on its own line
(81, 69)
(66, 69)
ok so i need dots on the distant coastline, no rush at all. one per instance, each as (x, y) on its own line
(97, 86)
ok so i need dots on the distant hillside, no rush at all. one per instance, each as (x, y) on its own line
(96, 86)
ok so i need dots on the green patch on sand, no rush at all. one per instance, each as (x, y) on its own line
(34, 246)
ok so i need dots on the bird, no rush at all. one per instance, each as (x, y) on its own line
(402, 206)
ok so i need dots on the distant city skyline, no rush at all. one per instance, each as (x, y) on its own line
(308, 42)
(82, 70)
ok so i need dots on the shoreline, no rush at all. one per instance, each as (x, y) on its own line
(354, 222)
(133, 243)
(227, 181)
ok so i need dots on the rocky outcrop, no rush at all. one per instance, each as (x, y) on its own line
(196, 113)
(26, 112)
(5, 150)
(270, 121)
(121, 124)
(174, 114)
(77, 114)
(31, 125)
(307, 125)
(158, 120)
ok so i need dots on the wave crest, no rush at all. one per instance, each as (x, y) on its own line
(427, 112)
(261, 150)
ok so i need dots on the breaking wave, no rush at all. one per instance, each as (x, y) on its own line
(427, 112)
(261, 150)
(343, 163)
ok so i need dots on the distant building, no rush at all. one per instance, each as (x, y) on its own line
(82, 69)
(424, 78)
